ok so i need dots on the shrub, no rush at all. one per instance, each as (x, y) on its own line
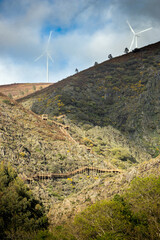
(34, 87)
(122, 154)
(20, 213)
(6, 101)
(22, 154)
(10, 96)
(134, 215)
(88, 142)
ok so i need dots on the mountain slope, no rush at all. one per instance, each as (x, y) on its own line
(111, 112)
(122, 92)
(33, 146)
(102, 188)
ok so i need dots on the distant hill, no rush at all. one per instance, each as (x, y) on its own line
(17, 90)
(122, 92)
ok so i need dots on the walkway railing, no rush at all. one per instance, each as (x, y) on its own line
(45, 176)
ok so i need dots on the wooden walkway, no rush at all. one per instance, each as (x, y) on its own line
(45, 176)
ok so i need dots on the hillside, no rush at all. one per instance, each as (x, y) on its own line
(102, 132)
(33, 146)
(18, 90)
(122, 92)
(103, 188)
(36, 148)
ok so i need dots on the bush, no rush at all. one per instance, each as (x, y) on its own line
(134, 215)
(20, 213)
(10, 96)
(88, 142)
(104, 220)
(144, 197)
(122, 154)
(7, 102)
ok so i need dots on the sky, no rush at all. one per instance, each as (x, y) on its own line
(84, 32)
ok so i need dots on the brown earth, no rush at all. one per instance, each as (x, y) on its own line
(18, 90)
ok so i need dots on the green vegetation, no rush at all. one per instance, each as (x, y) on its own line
(10, 96)
(34, 87)
(134, 215)
(122, 154)
(8, 102)
(26, 91)
(21, 216)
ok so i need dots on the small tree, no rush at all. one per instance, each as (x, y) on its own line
(20, 212)
(126, 50)
(110, 56)
(10, 96)
(96, 63)
(34, 87)
(76, 70)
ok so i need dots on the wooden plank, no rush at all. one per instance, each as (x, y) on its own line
(44, 176)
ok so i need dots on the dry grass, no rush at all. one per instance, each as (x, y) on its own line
(18, 90)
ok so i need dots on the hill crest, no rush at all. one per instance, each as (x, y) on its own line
(17, 90)
(118, 59)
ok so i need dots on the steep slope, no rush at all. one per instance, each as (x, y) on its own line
(33, 146)
(122, 92)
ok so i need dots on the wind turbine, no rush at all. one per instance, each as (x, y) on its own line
(47, 54)
(136, 35)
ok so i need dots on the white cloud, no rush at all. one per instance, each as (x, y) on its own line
(18, 73)
(91, 29)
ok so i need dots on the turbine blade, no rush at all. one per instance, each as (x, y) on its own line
(132, 43)
(50, 57)
(38, 57)
(144, 30)
(130, 27)
(50, 34)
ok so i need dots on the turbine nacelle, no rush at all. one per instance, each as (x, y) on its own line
(136, 35)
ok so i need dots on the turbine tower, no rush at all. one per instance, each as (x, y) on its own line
(136, 35)
(47, 54)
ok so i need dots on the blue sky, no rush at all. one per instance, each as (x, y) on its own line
(84, 32)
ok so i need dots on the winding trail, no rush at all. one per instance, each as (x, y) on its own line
(45, 176)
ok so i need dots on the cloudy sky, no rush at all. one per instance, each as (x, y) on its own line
(84, 32)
